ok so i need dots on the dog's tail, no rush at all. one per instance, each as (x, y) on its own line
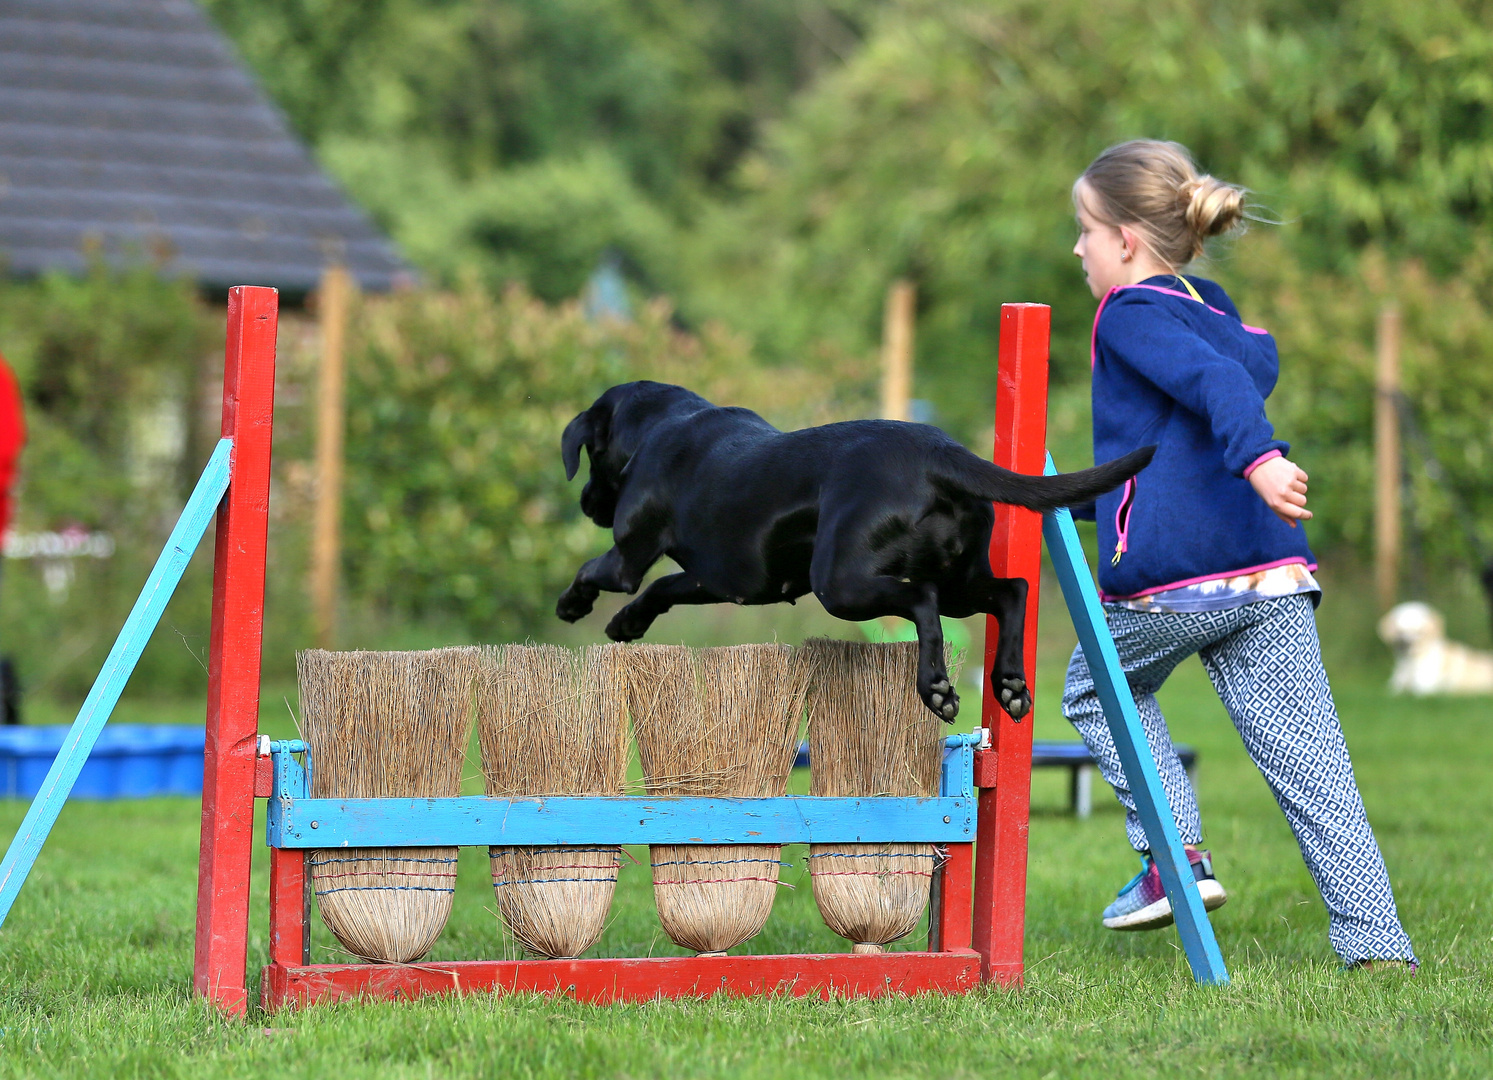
(973, 475)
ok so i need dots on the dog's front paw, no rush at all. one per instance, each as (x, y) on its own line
(574, 604)
(1013, 696)
(942, 700)
(628, 625)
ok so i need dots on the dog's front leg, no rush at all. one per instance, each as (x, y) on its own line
(602, 572)
(633, 621)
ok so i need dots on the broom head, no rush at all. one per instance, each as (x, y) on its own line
(551, 721)
(386, 725)
(869, 735)
(721, 722)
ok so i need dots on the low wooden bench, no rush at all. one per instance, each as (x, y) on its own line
(1073, 756)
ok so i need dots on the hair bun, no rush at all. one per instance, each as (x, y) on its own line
(1211, 206)
(1155, 188)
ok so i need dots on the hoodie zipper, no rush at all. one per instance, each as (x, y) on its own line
(1122, 521)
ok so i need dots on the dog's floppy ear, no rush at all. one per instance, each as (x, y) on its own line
(578, 432)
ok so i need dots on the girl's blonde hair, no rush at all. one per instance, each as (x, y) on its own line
(1155, 188)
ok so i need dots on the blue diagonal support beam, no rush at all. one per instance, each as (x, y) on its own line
(118, 667)
(1130, 740)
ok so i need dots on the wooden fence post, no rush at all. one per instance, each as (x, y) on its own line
(896, 351)
(1387, 458)
(332, 304)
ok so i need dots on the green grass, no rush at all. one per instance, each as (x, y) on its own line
(95, 958)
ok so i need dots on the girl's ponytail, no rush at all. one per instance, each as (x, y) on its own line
(1154, 188)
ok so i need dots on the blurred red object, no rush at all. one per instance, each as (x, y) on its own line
(12, 437)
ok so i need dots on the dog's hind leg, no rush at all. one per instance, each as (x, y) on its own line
(859, 598)
(934, 685)
(1005, 598)
(633, 621)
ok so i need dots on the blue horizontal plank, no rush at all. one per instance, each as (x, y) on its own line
(476, 820)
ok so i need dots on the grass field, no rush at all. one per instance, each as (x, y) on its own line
(95, 958)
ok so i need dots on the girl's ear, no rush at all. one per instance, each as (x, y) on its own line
(1131, 239)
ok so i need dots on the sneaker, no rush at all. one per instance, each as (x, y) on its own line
(1392, 967)
(1142, 903)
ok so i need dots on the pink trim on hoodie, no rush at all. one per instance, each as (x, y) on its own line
(1106, 597)
(1094, 335)
(1122, 520)
(1257, 462)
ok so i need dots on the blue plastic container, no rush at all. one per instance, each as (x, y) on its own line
(130, 761)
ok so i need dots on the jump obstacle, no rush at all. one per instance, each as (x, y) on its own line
(977, 912)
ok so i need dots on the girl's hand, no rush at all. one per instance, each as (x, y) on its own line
(1283, 487)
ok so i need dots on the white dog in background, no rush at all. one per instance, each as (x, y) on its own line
(1425, 662)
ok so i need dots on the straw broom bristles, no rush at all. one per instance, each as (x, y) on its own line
(719, 722)
(870, 734)
(386, 725)
(551, 722)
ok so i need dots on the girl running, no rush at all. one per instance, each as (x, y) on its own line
(1202, 552)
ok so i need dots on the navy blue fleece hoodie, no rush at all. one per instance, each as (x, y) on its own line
(1193, 379)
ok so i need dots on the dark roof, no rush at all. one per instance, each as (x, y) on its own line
(132, 124)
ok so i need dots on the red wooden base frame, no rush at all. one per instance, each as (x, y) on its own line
(605, 981)
(978, 912)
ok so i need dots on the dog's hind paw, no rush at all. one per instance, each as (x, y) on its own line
(1014, 697)
(942, 700)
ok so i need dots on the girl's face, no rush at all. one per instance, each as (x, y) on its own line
(1106, 251)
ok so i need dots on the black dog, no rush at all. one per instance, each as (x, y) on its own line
(875, 517)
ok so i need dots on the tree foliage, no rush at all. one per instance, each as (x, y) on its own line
(454, 120)
(945, 150)
(1325, 402)
(775, 163)
(107, 365)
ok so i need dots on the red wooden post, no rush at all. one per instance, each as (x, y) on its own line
(235, 644)
(289, 943)
(1015, 551)
(954, 899)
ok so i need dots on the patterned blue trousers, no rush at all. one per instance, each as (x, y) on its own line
(1266, 664)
